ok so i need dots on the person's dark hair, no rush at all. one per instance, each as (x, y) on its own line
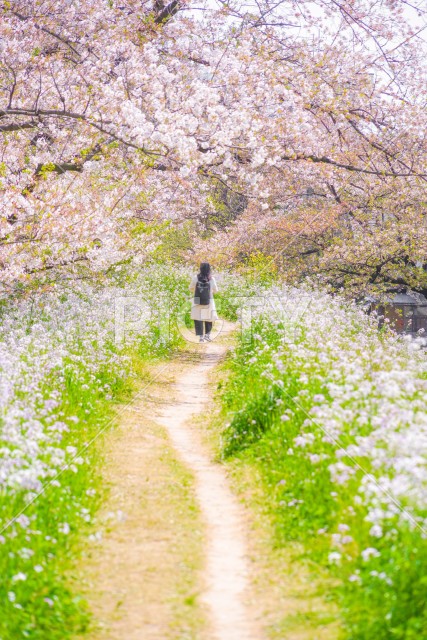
(205, 272)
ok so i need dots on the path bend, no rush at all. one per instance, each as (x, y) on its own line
(226, 592)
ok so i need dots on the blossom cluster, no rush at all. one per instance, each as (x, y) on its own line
(334, 411)
(46, 344)
(363, 394)
(113, 117)
(61, 366)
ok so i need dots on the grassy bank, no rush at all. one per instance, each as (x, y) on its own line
(293, 595)
(141, 572)
(62, 373)
(329, 416)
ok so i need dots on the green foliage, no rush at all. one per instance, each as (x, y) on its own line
(45, 169)
(175, 242)
(226, 205)
(259, 268)
(44, 605)
(384, 598)
(38, 551)
(234, 290)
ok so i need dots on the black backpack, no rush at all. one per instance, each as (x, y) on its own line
(202, 292)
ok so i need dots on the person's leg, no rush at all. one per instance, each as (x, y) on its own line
(208, 329)
(198, 325)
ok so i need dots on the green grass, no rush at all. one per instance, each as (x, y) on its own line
(46, 605)
(306, 507)
(42, 540)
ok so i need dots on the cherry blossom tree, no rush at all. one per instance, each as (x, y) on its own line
(118, 115)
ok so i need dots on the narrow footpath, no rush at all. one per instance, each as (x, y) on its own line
(174, 562)
(226, 570)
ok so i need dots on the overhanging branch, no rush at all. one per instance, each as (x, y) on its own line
(349, 167)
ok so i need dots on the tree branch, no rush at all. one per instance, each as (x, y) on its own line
(15, 126)
(76, 116)
(23, 18)
(168, 12)
(63, 263)
(350, 167)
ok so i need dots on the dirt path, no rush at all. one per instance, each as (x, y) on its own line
(172, 562)
(140, 576)
(227, 570)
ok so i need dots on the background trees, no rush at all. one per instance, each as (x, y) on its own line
(292, 129)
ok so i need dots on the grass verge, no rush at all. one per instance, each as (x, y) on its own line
(293, 594)
(141, 568)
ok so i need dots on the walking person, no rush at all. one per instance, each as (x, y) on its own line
(203, 310)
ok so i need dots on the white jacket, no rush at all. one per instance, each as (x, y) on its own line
(204, 311)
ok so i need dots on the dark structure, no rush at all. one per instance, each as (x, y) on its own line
(406, 312)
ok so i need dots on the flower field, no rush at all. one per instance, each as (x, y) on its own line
(334, 415)
(61, 368)
(284, 144)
